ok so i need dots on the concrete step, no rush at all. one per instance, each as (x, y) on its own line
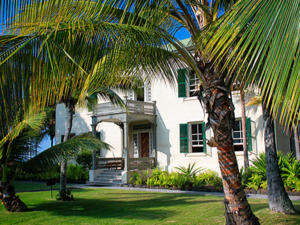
(96, 183)
(109, 177)
(108, 180)
(113, 171)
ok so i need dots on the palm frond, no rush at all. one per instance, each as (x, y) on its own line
(54, 155)
(264, 37)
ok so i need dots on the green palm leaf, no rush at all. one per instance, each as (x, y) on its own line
(54, 155)
(263, 37)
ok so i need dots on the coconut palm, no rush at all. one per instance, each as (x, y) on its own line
(148, 25)
(263, 37)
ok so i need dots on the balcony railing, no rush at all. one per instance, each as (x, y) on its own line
(132, 106)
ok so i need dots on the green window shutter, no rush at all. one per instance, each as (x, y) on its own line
(181, 83)
(184, 138)
(249, 137)
(98, 135)
(204, 137)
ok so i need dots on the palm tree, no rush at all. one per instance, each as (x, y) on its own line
(149, 25)
(263, 37)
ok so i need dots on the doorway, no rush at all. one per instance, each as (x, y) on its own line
(145, 144)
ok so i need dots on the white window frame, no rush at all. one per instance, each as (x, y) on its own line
(191, 138)
(238, 132)
(147, 91)
(195, 84)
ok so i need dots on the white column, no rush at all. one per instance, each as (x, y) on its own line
(126, 133)
(94, 124)
(154, 135)
(122, 141)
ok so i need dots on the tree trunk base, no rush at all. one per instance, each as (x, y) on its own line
(13, 204)
(9, 199)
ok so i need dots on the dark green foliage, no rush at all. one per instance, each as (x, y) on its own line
(289, 169)
(66, 195)
(209, 177)
(74, 173)
(189, 173)
(186, 178)
(84, 159)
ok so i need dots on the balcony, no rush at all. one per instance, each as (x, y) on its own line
(139, 107)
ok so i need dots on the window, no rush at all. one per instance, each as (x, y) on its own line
(194, 82)
(142, 93)
(237, 134)
(185, 90)
(192, 138)
(148, 91)
(196, 138)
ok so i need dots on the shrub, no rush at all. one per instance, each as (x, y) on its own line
(189, 172)
(255, 181)
(138, 178)
(76, 172)
(84, 159)
(212, 178)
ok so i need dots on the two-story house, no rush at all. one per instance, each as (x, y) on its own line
(164, 127)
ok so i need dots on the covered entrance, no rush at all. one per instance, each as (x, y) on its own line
(138, 135)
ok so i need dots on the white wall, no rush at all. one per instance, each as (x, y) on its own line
(172, 111)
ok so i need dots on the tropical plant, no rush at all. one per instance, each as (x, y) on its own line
(211, 177)
(66, 196)
(84, 158)
(259, 165)
(264, 184)
(189, 172)
(135, 176)
(254, 182)
(291, 169)
(76, 172)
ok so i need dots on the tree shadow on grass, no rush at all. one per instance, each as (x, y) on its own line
(262, 211)
(121, 205)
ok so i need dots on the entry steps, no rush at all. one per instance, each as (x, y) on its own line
(108, 178)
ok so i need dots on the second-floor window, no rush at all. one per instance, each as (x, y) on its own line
(193, 84)
(188, 83)
(143, 93)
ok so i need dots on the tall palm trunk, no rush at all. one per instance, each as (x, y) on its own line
(246, 157)
(63, 167)
(220, 109)
(279, 200)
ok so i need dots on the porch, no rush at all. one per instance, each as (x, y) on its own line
(138, 138)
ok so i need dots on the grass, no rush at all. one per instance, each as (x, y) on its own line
(28, 186)
(106, 206)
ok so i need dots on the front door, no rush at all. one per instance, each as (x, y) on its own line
(145, 144)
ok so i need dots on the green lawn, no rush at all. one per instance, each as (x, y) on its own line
(27, 186)
(106, 206)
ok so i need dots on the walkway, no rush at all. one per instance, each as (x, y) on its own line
(176, 191)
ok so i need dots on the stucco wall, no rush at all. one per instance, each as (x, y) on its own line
(173, 111)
